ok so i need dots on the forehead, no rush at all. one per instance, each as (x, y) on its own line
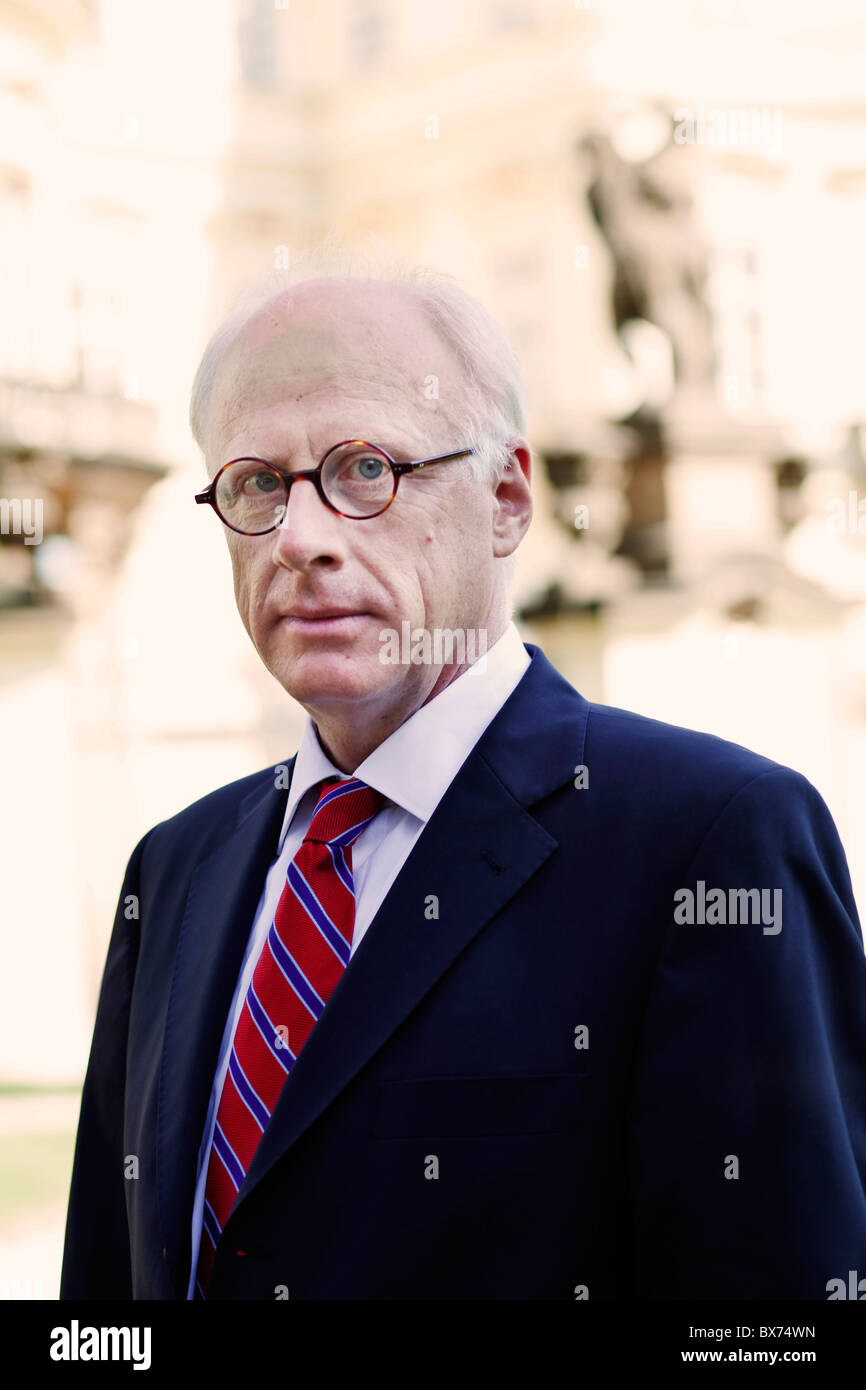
(333, 346)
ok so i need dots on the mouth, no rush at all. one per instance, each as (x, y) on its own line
(324, 622)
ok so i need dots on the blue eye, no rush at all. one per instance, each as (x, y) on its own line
(370, 467)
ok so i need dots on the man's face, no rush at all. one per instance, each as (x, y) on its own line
(350, 361)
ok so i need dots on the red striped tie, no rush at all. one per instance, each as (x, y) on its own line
(306, 951)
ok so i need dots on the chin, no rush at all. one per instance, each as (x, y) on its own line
(321, 679)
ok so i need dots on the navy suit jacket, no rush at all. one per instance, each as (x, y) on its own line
(553, 1089)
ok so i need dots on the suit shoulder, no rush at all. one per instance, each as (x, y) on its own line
(215, 810)
(683, 760)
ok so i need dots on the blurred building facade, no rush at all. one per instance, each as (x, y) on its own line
(672, 242)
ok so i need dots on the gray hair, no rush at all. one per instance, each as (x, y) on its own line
(492, 409)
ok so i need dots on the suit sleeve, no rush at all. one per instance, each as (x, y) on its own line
(96, 1254)
(747, 1130)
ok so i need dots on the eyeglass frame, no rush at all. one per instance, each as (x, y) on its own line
(398, 470)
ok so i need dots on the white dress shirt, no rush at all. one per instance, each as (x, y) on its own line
(412, 768)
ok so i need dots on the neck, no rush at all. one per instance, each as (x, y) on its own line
(347, 739)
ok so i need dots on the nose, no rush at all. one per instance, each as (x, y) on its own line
(310, 532)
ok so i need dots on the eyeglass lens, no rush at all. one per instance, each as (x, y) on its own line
(356, 479)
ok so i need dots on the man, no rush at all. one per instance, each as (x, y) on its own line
(489, 992)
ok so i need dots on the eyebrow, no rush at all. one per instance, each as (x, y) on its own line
(384, 441)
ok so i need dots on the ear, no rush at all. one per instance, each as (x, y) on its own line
(513, 500)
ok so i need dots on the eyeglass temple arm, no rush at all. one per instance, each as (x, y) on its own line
(422, 463)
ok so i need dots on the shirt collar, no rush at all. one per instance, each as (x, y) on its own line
(416, 764)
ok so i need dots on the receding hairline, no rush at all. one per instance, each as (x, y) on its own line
(325, 292)
(486, 370)
(382, 362)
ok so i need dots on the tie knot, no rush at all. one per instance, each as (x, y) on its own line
(342, 811)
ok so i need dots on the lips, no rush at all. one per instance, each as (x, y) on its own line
(329, 624)
(316, 615)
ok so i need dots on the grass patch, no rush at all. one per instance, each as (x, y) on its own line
(34, 1172)
(14, 1089)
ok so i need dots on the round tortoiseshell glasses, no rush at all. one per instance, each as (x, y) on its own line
(356, 479)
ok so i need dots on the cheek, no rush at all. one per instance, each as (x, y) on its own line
(244, 582)
(237, 574)
(455, 559)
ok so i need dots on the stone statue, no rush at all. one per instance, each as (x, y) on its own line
(645, 213)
